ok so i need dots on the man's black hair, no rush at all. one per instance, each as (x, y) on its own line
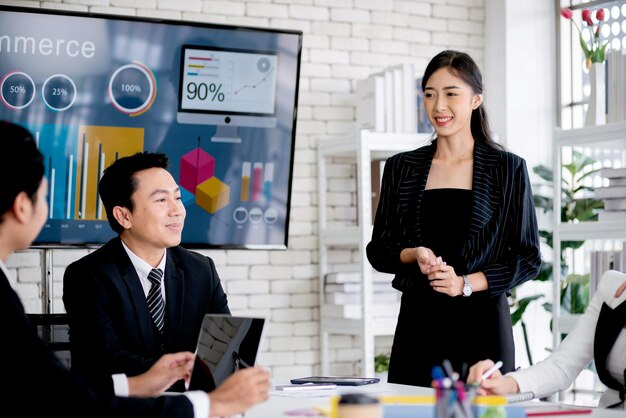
(118, 183)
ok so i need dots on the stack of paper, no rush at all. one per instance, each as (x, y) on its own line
(614, 196)
(342, 296)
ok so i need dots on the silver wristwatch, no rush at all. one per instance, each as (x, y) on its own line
(467, 286)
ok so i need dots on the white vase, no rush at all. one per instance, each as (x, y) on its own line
(596, 112)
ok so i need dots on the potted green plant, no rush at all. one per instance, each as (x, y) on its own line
(575, 207)
(381, 366)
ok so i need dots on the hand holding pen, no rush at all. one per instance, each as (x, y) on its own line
(483, 370)
(487, 376)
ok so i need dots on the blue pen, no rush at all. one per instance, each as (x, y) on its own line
(437, 373)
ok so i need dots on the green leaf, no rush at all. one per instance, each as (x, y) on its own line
(583, 45)
(582, 160)
(516, 316)
(602, 50)
(381, 363)
(547, 236)
(545, 272)
(543, 202)
(588, 173)
(572, 168)
(523, 302)
(544, 172)
(582, 188)
(574, 245)
(547, 306)
(575, 294)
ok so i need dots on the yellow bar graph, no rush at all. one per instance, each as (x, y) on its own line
(95, 142)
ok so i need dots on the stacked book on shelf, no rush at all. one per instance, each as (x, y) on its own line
(614, 195)
(391, 101)
(616, 85)
(602, 261)
(342, 296)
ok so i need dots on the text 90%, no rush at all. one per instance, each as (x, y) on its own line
(201, 91)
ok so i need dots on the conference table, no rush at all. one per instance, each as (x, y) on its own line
(306, 403)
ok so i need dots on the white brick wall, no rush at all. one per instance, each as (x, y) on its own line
(344, 41)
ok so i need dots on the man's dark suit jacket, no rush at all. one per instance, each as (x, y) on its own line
(38, 385)
(111, 330)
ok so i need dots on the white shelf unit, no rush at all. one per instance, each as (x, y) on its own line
(361, 148)
(612, 135)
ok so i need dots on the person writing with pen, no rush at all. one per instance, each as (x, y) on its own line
(600, 335)
(456, 225)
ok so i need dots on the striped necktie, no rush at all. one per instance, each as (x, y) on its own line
(155, 298)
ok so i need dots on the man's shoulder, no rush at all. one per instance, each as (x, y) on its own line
(104, 254)
(185, 255)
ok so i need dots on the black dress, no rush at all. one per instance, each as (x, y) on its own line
(433, 326)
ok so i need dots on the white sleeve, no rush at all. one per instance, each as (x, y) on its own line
(559, 369)
(200, 401)
(120, 385)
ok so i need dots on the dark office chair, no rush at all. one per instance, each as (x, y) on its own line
(53, 330)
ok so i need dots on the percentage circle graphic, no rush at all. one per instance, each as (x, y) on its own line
(58, 92)
(263, 65)
(240, 215)
(132, 88)
(255, 215)
(270, 215)
(17, 90)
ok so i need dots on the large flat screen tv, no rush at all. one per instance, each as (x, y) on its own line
(220, 101)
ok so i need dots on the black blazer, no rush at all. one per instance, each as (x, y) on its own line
(38, 385)
(111, 330)
(503, 240)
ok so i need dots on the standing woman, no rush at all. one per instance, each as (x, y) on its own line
(456, 225)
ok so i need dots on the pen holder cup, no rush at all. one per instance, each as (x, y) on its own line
(454, 403)
(359, 406)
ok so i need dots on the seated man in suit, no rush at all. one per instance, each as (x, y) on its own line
(39, 385)
(141, 295)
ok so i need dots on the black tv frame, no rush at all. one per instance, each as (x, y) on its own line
(198, 25)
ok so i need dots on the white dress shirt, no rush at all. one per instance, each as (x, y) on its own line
(559, 369)
(143, 269)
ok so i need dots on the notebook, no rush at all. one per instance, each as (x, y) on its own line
(225, 344)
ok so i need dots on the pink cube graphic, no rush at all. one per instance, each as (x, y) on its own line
(195, 167)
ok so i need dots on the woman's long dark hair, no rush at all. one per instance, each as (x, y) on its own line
(464, 67)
